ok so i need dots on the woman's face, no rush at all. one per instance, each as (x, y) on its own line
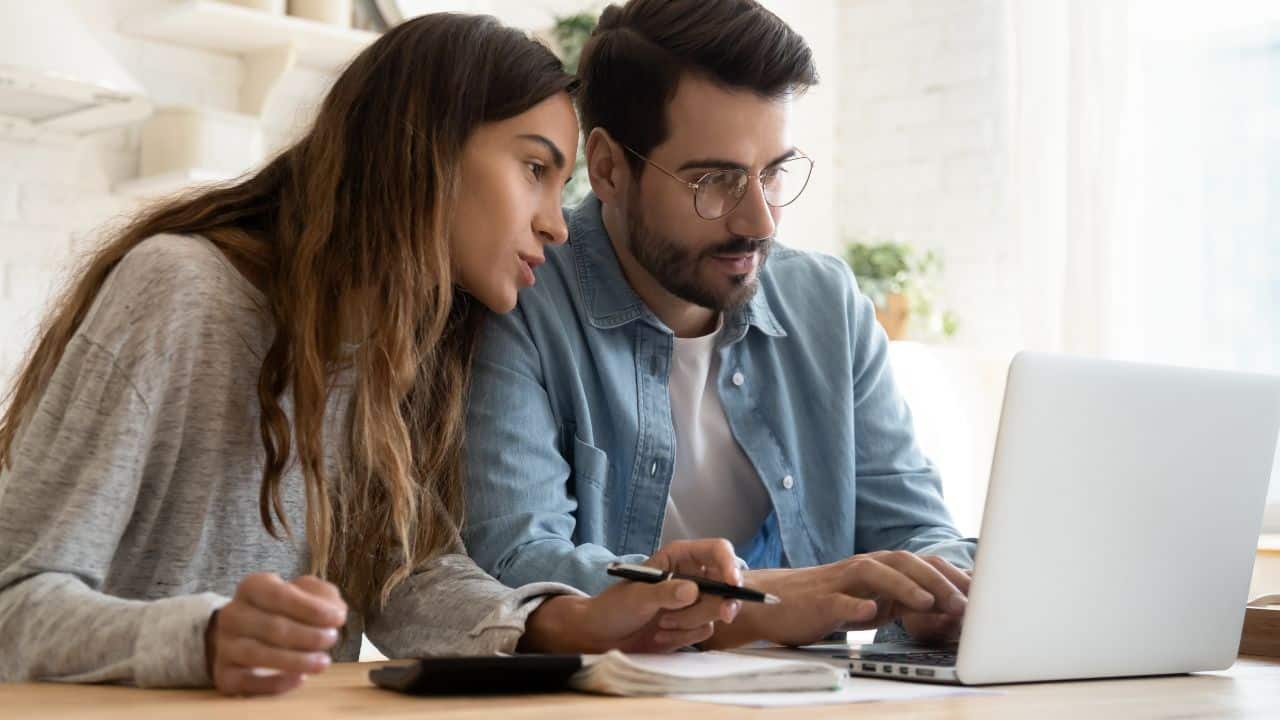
(513, 175)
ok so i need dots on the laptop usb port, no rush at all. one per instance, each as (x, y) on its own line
(868, 667)
(886, 669)
(904, 671)
(922, 672)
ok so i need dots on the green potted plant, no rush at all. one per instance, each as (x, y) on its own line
(571, 33)
(902, 283)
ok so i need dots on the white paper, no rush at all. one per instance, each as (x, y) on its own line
(853, 690)
(705, 664)
(616, 673)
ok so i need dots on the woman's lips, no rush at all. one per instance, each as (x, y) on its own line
(527, 264)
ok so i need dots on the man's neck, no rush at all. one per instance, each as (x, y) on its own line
(683, 317)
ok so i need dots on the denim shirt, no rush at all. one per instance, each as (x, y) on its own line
(571, 446)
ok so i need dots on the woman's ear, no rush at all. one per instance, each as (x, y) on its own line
(607, 168)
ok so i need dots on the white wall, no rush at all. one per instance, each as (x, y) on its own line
(809, 222)
(528, 14)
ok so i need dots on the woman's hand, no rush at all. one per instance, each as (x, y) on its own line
(272, 633)
(642, 617)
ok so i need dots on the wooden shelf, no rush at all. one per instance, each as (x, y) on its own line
(1261, 632)
(235, 30)
(1269, 543)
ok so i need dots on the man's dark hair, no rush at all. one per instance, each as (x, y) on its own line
(633, 61)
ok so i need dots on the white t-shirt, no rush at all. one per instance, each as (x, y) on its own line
(715, 491)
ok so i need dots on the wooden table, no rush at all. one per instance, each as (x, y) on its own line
(1250, 689)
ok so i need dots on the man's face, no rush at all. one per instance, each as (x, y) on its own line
(711, 263)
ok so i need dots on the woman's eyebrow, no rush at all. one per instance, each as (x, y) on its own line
(557, 156)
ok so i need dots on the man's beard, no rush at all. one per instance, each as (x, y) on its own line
(676, 268)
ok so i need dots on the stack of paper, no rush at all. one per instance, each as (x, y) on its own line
(708, 672)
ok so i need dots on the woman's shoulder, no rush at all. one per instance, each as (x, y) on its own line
(174, 293)
(179, 268)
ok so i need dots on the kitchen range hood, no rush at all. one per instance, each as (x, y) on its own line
(56, 80)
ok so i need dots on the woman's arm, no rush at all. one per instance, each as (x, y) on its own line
(64, 505)
(452, 607)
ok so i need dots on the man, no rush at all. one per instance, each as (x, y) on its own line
(676, 374)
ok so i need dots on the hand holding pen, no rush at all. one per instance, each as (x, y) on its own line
(643, 573)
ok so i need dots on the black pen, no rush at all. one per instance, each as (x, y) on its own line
(645, 574)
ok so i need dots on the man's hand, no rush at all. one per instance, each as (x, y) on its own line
(641, 617)
(939, 628)
(272, 633)
(861, 592)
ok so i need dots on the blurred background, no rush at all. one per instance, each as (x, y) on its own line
(1088, 176)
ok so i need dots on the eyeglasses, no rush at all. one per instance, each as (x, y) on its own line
(719, 192)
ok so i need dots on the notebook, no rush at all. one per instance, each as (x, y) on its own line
(616, 673)
(612, 673)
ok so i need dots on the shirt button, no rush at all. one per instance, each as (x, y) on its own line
(738, 379)
(788, 482)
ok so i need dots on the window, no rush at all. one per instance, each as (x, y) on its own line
(1210, 251)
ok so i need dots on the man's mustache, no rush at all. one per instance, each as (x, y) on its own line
(739, 246)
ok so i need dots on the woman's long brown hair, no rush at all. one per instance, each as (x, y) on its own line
(353, 222)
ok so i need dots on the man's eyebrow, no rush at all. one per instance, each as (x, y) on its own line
(711, 163)
(557, 156)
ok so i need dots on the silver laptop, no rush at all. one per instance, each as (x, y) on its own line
(1120, 528)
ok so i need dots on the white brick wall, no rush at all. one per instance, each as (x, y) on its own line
(8, 202)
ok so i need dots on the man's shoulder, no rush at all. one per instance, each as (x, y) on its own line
(810, 294)
(557, 280)
(796, 273)
(544, 313)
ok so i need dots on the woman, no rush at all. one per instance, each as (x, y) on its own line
(267, 381)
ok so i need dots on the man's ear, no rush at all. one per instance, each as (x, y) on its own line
(607, 167)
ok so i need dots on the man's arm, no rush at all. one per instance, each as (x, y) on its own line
(899, 492)
(520, 505)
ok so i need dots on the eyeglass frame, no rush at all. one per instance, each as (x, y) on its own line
(695, 186)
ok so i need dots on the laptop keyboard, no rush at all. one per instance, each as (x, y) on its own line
(936, 658)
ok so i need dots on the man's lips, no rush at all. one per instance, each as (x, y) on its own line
(736, 263)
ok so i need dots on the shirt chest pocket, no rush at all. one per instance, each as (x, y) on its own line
(590, 463)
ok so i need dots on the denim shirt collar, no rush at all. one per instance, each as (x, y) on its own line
(611, 302)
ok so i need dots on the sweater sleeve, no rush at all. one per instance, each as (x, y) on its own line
(65, 503)
(452, 607)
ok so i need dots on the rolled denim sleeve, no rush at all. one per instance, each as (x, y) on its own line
(520, 506)
(899, 492)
